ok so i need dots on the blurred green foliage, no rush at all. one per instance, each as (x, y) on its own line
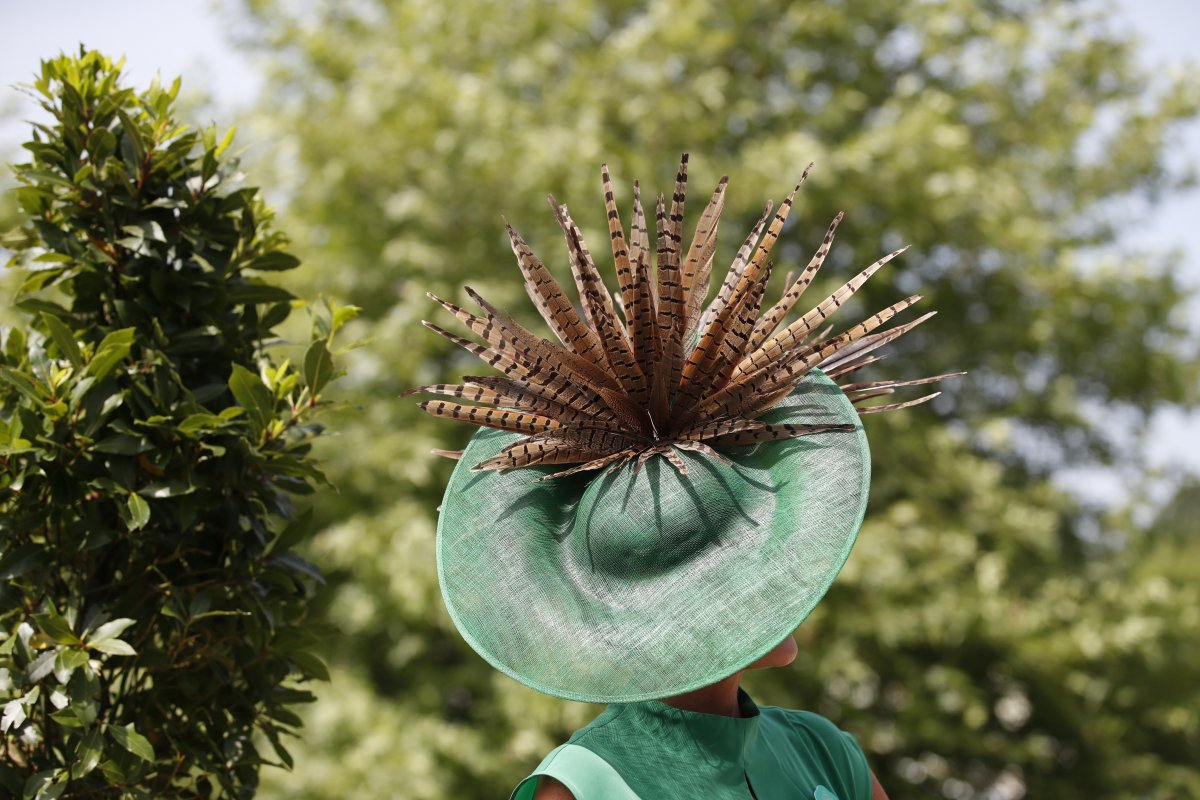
(989, 637)
(155, 635)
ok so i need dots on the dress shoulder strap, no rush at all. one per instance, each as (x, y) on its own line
(587, 775)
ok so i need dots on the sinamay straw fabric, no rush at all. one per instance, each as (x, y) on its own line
(617, 587)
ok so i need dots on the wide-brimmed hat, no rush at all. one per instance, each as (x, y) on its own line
(662, 496)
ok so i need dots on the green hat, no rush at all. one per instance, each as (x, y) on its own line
(639, 518)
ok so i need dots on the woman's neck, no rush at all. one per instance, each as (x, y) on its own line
(717, 698)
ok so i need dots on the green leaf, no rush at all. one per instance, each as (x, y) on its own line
(274, 261)
(171, 488)
(69, 718)
(226, 140)
(88, 754)
(194, 423)
(56, 627)
(310, 665)
(70, 659)
(148, 229)
(134, 136)
(277, 746)
(114, 647)
(252, 293)
(44, 785)
(286, 716)
(25, 383)
(64, 338)
(20, 559)
(132, 741)
(113, 772)
(123, 444)
(293, 533)
(39, 280)
(139, 511)
(318, 367)
(112, 349)
(252, 395)
(341, 316)
(111, 629)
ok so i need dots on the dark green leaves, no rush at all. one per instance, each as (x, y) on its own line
(64, 338)
(17, 559)
(252, 395)
(113, 349)
(56, 628)
(150, 449)
(88, 754)
(274, 260)
(137, 511)
(318, 366)
(132, 741)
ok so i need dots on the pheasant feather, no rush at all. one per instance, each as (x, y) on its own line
(646, 371)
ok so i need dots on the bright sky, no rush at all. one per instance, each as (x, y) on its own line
(195, 43)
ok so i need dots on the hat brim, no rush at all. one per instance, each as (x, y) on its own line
(520, 593)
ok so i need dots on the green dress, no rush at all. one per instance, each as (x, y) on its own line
(653, 751)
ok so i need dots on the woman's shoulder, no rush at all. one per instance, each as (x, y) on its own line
(819, 744)
(800, 721)
(550, 789)
(567, 769)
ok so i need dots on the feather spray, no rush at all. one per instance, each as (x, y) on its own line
(666, 373)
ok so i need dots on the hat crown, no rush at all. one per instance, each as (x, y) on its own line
(639, 525)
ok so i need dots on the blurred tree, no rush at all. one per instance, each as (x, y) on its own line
(988, 639)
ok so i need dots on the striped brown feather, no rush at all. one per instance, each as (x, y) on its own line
(671, 309)
(639, 240)
(867, 344)
(794, 289)
(620, 250)
(584, 406)
(552, 304)
(599, 311)
(487, 355)
(898, 406)
(501, 418)
(742, 394)
(859, 398)
(611, 459)
(736, 269)
(561, 446)
(703, 448)
(794, 333)
(697, 265)
(553, 384)
(772, 433)
(798, 362)
(643, 328)
(670, 306)
(532, 455)
(762, 251)
(726, 345)
(545, 351)
(598, 307)
(848, 367)
(896, 384)
(719, 427)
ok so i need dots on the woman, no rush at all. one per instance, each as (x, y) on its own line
(804, 750)
(654, 506)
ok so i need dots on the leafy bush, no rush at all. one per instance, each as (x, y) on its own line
(153, 612)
